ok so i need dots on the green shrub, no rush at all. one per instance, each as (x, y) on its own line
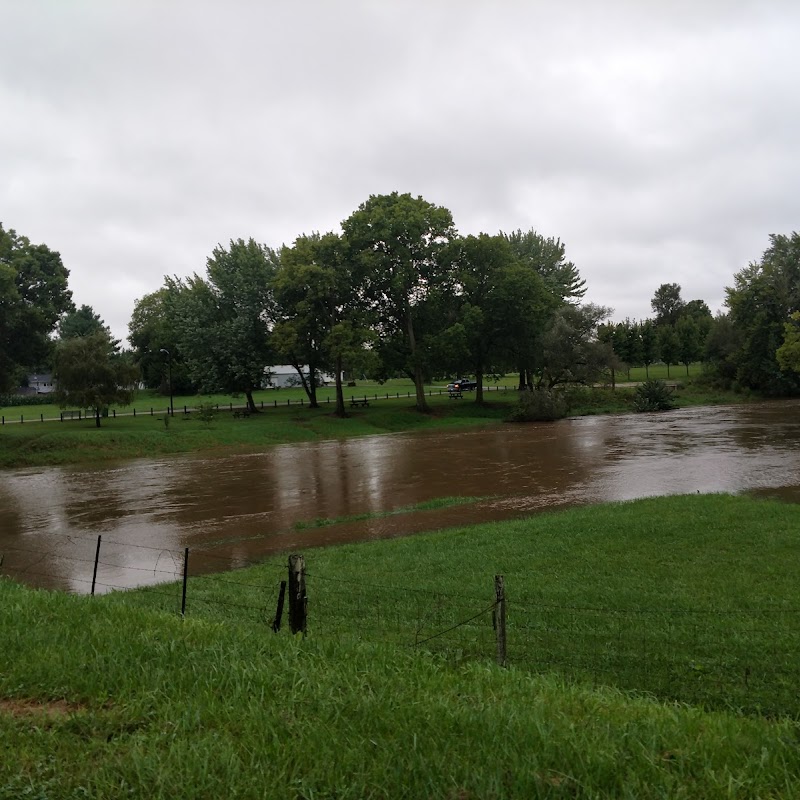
(25, 400)
(653, 395)
(539, 405)
(205, 412)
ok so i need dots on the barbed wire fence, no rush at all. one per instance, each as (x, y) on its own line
(747, 658)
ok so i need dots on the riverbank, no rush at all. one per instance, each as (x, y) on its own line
(118, 694)
(48, 443)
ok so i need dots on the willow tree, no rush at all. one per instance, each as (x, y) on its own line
(398, 244)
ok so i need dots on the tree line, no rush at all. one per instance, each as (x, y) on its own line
(397, 291)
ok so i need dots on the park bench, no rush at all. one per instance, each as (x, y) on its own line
(357, 401)
(241, 414)
(455, 395)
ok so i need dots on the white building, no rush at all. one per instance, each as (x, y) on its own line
(280, 376)
(41, 383)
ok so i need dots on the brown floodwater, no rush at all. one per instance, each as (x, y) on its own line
(234, 509)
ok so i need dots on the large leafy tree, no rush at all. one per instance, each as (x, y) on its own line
(631, 353)
(398, 244)
(319, 311)
(523, 308)
(668, 346)
(151, 332)
(649, 344)
(547, 256)
(691, 341)
(788, 353)
(33, 296)
(571, 349)
(504, 306)
(90, 373)
(222, 322)
(667, 304)
(620, 337)
(761, 301)
(723, 343)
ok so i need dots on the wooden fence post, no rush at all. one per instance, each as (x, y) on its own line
(298, 601)
(500, 618)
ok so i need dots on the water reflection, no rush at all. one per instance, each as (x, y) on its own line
(242, 507)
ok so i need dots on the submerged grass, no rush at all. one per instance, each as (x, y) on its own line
(108, 697)
(38, 444)
(426, 505)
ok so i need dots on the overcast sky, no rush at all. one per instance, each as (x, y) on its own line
(659, 140)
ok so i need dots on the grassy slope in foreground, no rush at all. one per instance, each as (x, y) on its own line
(107, 698)
(690, 598)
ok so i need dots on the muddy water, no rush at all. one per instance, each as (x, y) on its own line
(233, 509)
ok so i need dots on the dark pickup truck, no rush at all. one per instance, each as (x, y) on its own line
(461, 385)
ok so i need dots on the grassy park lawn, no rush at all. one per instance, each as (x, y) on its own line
(118, 696)
(150, 433)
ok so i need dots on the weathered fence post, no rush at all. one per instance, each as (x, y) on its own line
(298, 602)
(500, 618)
(96, 559)
(185, 577)
(276, 625)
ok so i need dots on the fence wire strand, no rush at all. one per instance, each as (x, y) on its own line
(744, 657)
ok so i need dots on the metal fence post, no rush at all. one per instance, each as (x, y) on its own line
(96, 559)
(276, 625)
(499, 618)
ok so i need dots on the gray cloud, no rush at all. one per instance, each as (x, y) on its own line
(656, 139)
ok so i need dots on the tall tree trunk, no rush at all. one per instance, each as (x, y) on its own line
(667, 370)
(310, 385)
(422, 403)
(613, 380)
(647, 371)
(340, 412)
(251, 404)
(522, 384)
(97, 417)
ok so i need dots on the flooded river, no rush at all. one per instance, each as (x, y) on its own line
(230, 510)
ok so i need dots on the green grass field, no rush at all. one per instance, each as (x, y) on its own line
(118, 696)
(146, 401)
(80, 442)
